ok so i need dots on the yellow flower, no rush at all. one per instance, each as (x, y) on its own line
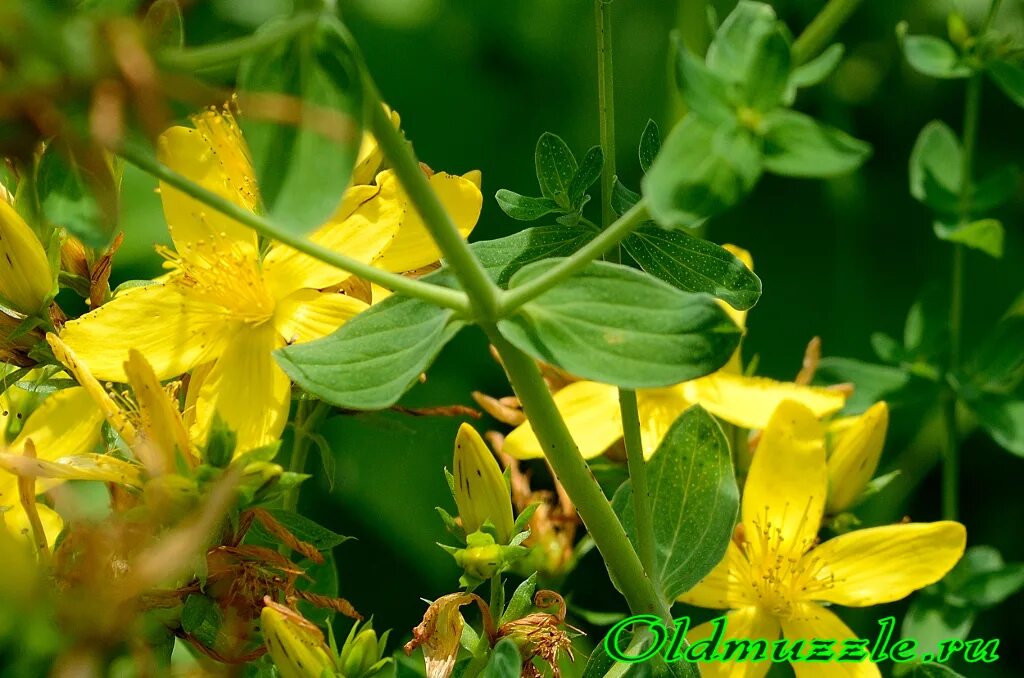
(66, 425)
(225, 307)
(857, 447)
(775, 579)
(591, 410)
(26, 280)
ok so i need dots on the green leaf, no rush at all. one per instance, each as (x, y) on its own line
(985, 235)
(521, 601)
(739, 43)
(1003, 418)
(1009, 77)
(374, 358)
(616, 325)
(694, 265)
(931, 620)
(935, 167)
(650, 144)
(623, 198)
(504, 661)
(201, 618)
(933, 56)
(704, 92)
(995, 189)
(588, 172)
(303, 157)
(988, 589)
(502, 257)
(524, 208)
(695, 500)
(997, 365)
(556, 168)
(78, 193)
(768, 75)
(701, 171)
(164, 25)
(816, 70)
(872, 382)
(304, 529)
(796, 145)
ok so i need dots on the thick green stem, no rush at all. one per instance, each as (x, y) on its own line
(605, 240)
(579, 482)
(483, 293)
(308, 417)
(227, 52)
(638, 479)
(822, 28)
(440, 296)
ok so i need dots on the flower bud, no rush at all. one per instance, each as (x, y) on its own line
(855, 457)
(362, 654)
(296, 645)
(480, 490)
(26, 281)
(959, 33)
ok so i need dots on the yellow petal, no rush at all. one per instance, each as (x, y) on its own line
(480, 490)
(749, 623)
(247, 389)
(590, 410)
(364, 226)
(370, 155)
(750, 401)
(66, 424)
(26, 281)
(784, 496)
(882, 564)
(214, 156)
(413, 247)
(810, 621)
(727, 586)
(175, 329)
(306, 315)
(164, 433)
(111, 411)
(855, 457)
(18, 524)
(100, 467)
(658, 408)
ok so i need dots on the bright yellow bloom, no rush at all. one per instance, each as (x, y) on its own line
(26, 280)
(591, 410)
(225, 307)
(66, 425)
(774, 575)
(857, 447)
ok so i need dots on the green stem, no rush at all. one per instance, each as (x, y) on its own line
(198, 58)
(579, 482)
(497, 602)
(604, 241)
(483, 292)
(822, 28)
(950, 459)
(307, 418)
(627, 398)
(439, 296)
(638, 479)
(606, 105)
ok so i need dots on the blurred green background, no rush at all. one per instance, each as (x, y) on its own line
(476, 82)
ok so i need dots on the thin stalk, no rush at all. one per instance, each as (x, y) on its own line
(627, 398)
(579, 482)
(822, 28)
(198, 58)
(638, 479)
(497, 602)
(606, 105)
(439, 296)
(308, 417)
(605, 240)
(483, 292)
